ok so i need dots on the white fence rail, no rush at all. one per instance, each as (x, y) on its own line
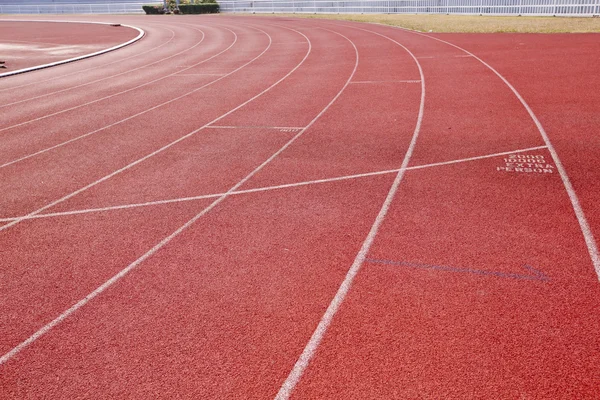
(491, 7)
(73, 8)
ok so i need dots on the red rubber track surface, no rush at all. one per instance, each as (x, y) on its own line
(28, 44)
(184, 238)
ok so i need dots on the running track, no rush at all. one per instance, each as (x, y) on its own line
(239, 207)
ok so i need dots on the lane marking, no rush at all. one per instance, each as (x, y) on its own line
(309, 351)
(266, 188)
(141, 33)
(532, 275)
(120, 93)
(375, 82)
(579, 213)
(104, 78)
(46, 328)
(581, 218)
(106, 177)
(37, 153)
(99, 66)
(504, 153)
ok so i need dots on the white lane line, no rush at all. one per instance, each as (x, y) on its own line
(504, 153)
(3, 227)
(405, 81)
(266, 188)
(34, 68)
(118, 93)
(37, 153)
(583, 223)
(105, 78)
(309, 351)
(42, 331)
(98, 66)
(289, 128)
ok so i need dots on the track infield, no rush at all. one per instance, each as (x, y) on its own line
(248, 207)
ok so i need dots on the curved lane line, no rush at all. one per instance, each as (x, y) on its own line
(106, 177)
(118, 93)
(584, 226)
(309, 350)
(581, 218)
(37, 153)
(115, 278)
(98, 66)
(108, 77)
(35, 68)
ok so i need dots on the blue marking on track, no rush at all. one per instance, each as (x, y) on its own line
(532, 275)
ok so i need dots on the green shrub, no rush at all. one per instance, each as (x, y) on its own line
(153, 9)
(203, 8)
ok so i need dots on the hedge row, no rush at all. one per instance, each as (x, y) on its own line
(153, 9)
(204, 8)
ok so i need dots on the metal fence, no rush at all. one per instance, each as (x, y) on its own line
(489, 7)
(74, 8)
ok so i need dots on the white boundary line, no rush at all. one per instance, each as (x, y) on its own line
(266, 188)
(120, 93)
(309, 351)
(35, 68)
(583, 223)
(37, 153)
(98, 66)
(13, 352)
(109, 77)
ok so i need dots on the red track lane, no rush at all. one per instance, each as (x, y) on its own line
(478, 283)
(210, 147)
(32, 258)
(206, 164)
(445, 291)
(568, 103)
(29, 44)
